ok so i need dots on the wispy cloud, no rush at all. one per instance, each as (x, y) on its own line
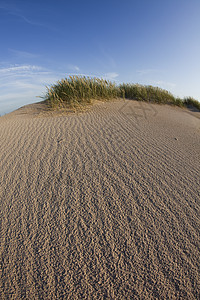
(23, 72)
(19, 69)
(21, 84)
(111, 75)
(27, 20)
(11, 9)
(147, 71)
(73, 68)
(163, 84)
(23, 54)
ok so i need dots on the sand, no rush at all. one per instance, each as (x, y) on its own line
(103, 204)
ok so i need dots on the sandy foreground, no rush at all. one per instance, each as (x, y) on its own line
(103, 204)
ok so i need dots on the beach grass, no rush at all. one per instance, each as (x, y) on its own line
(147, 93)
(77, 91)
(189, 101)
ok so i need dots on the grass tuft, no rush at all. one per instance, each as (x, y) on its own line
(189, 101)
(77, 91)
(147, 93)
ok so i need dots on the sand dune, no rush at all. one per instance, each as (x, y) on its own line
(103, 204)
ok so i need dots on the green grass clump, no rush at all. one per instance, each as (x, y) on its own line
(77, 91)
(155, 95)
(189, 101)
(147, 93)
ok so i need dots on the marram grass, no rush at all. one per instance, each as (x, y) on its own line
(77, 91)
(189, 101)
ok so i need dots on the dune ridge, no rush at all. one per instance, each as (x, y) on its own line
(100, 205)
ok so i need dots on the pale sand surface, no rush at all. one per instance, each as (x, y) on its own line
(103, 204)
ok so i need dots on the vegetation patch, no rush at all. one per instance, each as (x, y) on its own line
(191, 102)
(77, 91)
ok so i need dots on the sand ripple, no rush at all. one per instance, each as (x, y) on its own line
(100, 205)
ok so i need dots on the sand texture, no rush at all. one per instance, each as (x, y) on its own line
(103, 204)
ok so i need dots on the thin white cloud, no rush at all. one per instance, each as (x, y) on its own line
(25, 19)
(147, 71)
(111, 75)
(23, 54)
(21, 84)
(163, 84)
(18, 69)
(11, 9)
(77, 68)
(73, 68)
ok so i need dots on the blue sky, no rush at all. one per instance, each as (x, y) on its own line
(138, 41)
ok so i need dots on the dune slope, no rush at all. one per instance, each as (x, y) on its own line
(100, 205)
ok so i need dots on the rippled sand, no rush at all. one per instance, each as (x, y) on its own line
(103, 204)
